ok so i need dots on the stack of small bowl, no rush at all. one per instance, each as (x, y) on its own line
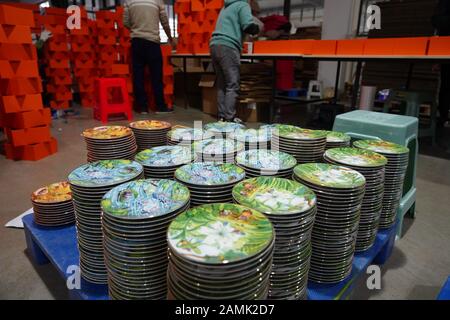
(291, 207)
(337, 140)
(186, 136)
(217, 150)
(52, 205)
(339, 191)
(150, 133)
(161, 162)
(89, 183)
(371, 165)
(220, 251)
(135, 217)
(266, 163)
(253, 138)
(397, 163)
(304, 144)
(223, 128)
(109, 143)
(210, 182)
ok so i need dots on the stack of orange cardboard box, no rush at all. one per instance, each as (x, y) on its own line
(168, 77)
(196, 23)
(57, 58)
(25, 121)
(106, 42)
(83, 56)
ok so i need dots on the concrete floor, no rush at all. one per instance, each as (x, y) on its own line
(417, 269)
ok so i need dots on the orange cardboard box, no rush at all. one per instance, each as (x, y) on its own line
(59, 64)
(22, 137)
(350, 47)
(197, 5)
(20, 86)
(384, 46)
(16, 16)
(15, 34)
(57, 46)
(120, 69)
(24, 68)
(16, 52)
(32, 152)
(213, 4)
(439, 46)
(11, 104)
(28, 119)
(59, 105)
(411, 46)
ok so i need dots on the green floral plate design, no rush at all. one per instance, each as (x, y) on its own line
(252, 135)
(188, 134)
(223, 127)
(210, 174)
(381, 146)
(330, 176)
(334, 136)
(142, 199)
(104, 173)
(274, 195)
(165, 156)
(266, 159)
(220, 233)
(356, 157)
(217, 146)
(297, 133)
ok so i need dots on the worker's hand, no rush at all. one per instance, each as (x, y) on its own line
(436, 67)
(174, 43)
(45, 35)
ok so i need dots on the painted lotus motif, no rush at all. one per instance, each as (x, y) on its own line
(145, 198)
(53, 193)
(220, 233)
(223, 126)
(251, 135)
(150, 125)
(188, 134)
(328, 175)
(165, 156)
(105, 172)
(274, 195)
(381, 146)
(334, 136)
(217, 146)
(107, 132)
(209, 173)
(356, 157)
(266, 159)
(293, 132)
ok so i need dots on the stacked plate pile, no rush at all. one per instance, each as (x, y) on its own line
(135, 217)
(337, 140)
(253, 138)
(109, 143)
(266, 163)
(223, 128)
(291, 207)
(217, 150)
(161, 162)
(339, 192)
(210, 182)
(52, 205)
(220, 251)
(395, 171)
(371, 165)
(186, 136)
(89, 183)
(304, 144)
(150, 133)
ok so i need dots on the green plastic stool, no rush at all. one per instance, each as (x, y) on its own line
(399, 129)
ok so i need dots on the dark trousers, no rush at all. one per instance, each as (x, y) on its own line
(444, 93)
(147, 53)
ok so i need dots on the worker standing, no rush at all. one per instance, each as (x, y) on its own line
(234, 19)
(142, 17)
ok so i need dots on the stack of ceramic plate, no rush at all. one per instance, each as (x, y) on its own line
(304, 144)
(52, 205)
(395, 171)
(150, 133)
(291, 207)
(135, 217)
(223, 128)
(253, 138)
(337, 140)
(371, 165)
(266, 163)
(109, 143)
(217, 150)
(220, 251)
(210, 182)
(161, 162)
(339, 192)
(186, 136)
(89, 183)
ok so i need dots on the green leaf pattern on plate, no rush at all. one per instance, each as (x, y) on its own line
(217, 146)
(252, 135)
(274, 195)
(223, 126)
(266, 159)
(209, 173)
(381, 146)
(188, 134)
(334, 136)
(356, 157)
(331, 176)
(220, 233)
(293, 132)
(165, 156)
(104, 173)
(145, 198)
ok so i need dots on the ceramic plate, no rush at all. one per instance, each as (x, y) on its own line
(296, 133)
(209, 174)
(223, 127)
(356, 157)
(53, 193)
(266, 159)
(165, 156)
(381, 146)
(107, 132)
(337, 137)
(217, 146)
(150, 125)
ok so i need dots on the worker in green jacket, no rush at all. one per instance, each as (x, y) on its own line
(234, 20)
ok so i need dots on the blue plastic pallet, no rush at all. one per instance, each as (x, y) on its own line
(59, 246)
(445, 291)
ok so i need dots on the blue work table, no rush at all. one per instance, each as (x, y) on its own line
(59, 247)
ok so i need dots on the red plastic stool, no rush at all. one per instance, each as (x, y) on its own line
(111, 98)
